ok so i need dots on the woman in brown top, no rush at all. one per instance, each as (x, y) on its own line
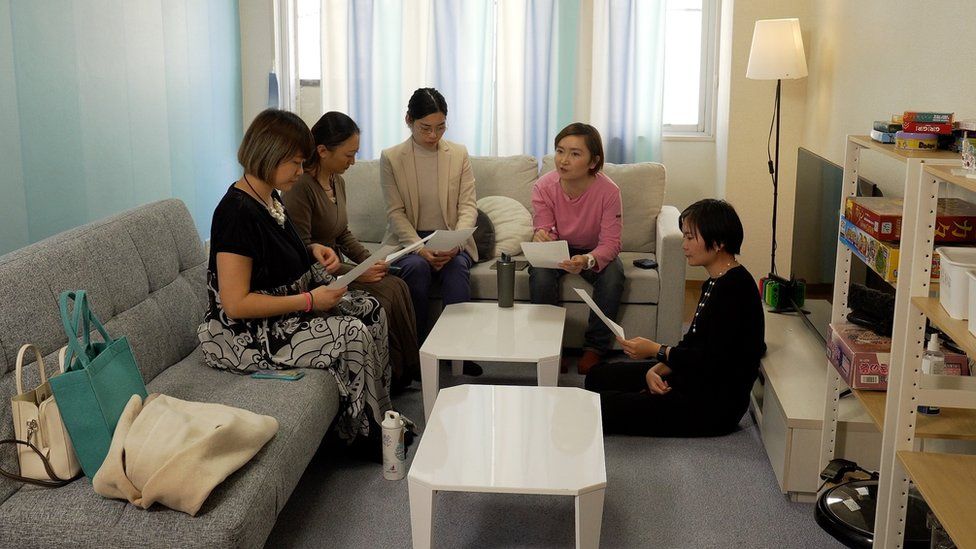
(317, 207)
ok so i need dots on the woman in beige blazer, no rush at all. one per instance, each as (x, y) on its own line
(428, 185)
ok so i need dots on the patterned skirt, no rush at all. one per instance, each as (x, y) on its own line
(350, 341)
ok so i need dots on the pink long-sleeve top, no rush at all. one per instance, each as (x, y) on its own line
(592, 221)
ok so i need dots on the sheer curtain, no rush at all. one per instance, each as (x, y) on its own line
(514, 72)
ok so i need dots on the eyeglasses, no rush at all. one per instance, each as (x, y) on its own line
(432, 130)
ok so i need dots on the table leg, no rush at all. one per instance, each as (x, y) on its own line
(421, 514)
(429, 381)
(457, 367)
(589, 518)
(547, 371)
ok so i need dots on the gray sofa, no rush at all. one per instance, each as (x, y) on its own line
(145, 271)
(653, 299)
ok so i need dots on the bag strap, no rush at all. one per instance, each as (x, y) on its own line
(81, 315)
(20, 366)
(62, 352)
(55, 482)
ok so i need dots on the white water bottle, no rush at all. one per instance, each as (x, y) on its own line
(394, 453)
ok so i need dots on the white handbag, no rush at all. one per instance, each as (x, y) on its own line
(44, 449)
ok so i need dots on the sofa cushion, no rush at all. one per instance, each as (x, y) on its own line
(511, 176)
(642, 195)
(240, 512)
(484, 237)
(512, 223)
(641, 286)
(365, 205)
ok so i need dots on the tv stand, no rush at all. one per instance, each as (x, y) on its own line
(788, 408)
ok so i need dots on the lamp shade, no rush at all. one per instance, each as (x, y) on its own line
(777, 51)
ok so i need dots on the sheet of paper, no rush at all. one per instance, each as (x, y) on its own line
(614, 327)
(411, 248)
(546, 255)
(443, 241)
(378, 255)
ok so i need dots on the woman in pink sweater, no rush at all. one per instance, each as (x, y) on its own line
(579, 204)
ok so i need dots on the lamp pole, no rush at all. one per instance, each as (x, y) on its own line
(775, 167)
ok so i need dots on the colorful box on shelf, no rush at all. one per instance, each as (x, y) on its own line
(883, 137)
(861, 357)
(881, 257)
(942, 128)
(916, 141)
(880, 217)
(925, 116)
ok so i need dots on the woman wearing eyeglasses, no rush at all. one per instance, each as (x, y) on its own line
(428, 185)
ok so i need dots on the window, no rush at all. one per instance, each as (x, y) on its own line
(691, 31)
(689, 73)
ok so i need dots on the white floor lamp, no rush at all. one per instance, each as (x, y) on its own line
(776, 54)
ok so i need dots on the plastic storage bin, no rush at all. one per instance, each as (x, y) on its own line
(954, 283)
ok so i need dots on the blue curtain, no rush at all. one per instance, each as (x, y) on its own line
(110, 104)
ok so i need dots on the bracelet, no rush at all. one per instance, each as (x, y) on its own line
(662, 354)
(308, 301)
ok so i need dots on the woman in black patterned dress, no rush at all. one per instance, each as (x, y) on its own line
(269, 307)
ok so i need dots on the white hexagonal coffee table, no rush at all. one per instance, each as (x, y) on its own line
(486, 332)
(512, 439)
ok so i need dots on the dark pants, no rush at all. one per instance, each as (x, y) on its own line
(419, 275)
(608, 286)
(629, 408)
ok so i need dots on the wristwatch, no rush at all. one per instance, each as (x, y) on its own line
(662, 353)
(590, 261)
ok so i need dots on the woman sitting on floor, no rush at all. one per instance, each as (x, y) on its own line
(268, 305)
(700, 387)
(317, 207)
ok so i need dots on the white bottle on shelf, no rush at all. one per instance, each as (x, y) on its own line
(933, 362)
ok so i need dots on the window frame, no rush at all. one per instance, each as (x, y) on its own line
(708, 81)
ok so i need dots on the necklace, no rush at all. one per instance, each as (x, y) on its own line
(701, 304)
(276, 210)
(710, 284)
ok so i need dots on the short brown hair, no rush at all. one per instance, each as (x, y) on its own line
(272, 138)
(590, 136)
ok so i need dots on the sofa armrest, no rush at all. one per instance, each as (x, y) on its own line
(671, 271)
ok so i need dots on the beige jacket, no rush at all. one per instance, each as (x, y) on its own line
(176, 452)
(455, 186)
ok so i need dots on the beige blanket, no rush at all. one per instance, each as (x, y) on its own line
(175, 452)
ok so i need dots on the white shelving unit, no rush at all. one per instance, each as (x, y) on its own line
(947, 482)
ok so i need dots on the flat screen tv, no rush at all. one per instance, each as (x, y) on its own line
(815, 225)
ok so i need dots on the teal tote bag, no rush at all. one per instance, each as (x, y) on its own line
(99, 379)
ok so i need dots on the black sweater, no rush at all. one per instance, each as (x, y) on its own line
(717, 360)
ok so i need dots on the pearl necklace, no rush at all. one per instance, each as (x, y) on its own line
(708, 292)
(276, 210)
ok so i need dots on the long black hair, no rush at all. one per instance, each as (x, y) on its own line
(425, 101)
(331, 130)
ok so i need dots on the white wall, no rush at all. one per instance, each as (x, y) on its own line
(857, 77)
(747, 183)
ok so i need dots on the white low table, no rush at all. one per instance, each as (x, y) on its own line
(513, 440)
(489, 333)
